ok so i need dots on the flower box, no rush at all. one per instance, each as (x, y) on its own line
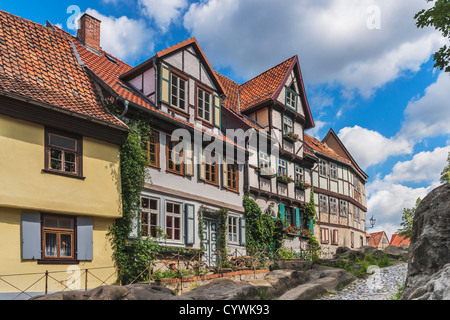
(292, 230)
(306, 233)
(291, 137)
(302, 185)
(284, 178)
(267, 173)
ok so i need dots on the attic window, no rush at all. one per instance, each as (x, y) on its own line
(291, 98)
(110, 58)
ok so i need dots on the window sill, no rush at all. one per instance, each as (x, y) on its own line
(61, 173)
(175, 173)
(58, 261)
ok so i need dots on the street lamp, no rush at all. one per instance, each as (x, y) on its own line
(372, 222)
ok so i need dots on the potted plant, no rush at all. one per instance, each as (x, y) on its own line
(292, 230)
(266, 173)
(284, 178)
(300, 184)
(291, 136)
(305, 233)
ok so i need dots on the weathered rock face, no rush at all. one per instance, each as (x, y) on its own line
(429, 252)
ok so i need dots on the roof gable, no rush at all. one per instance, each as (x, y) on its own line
(332, 140)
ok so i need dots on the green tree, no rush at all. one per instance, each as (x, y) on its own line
(407, 220)
(439, 17)
(445, 174)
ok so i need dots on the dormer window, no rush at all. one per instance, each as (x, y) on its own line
(204, 105)
(291, 98)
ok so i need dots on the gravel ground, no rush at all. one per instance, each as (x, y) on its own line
(381, 285)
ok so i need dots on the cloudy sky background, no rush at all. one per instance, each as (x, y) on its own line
(367, 68)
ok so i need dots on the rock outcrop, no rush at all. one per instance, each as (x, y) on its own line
(429, 251)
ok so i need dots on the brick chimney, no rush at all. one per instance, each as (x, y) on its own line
(89, 32)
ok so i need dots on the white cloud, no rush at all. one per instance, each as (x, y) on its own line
(251, 36)
(163, 12)
(314, 132)
(369, 147)
(429, 115)
(425, 166)
(123, 37)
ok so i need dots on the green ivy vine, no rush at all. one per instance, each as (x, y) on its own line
(130, 257)
(222, 237)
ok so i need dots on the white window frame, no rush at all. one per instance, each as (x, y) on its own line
(322, 168)
(343, 208)
(299, 173)
(288, 125)
(282, 166)
(333, 205)
(174, 216)
(149, 212)
(323, 203)
(203, 104)
(333, 171)
(264, 160)
(233, 229)
(176, 93)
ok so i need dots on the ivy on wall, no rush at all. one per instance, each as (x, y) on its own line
(133, 163)
(222, 236)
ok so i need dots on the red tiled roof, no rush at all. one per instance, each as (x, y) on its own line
(109, 72)
(398, 240)
(375, 238)
(231, 89)
(38, 63)
(317, 145)
(263, 87)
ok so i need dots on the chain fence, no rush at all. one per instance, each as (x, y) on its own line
(165, 265)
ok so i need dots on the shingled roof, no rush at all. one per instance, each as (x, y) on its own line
(39, 64)
(318, 146)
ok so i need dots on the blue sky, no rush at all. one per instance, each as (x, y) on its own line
(367, 69)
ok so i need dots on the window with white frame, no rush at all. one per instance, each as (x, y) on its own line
(322, 167)
(291, 98)
(282, 167)
(333, 205)
(299, 174)
(264, 160)
(343, 208)
(288, 125)
(323, 204)
(333, 171)
(233, 229)
(173, 221)
(178, 92)
(149, 216)
(204, 105)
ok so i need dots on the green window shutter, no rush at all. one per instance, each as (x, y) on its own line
(282, 211)
(311, 225)
(189, 224)
(297, 218)
(164, 92)
(217, 112)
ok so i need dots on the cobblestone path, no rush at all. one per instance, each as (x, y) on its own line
(381, 285)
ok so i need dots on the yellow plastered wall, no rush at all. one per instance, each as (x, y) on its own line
(16, 273)
(25, 186)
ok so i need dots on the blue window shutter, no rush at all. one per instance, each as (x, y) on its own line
(85, 240)
(242, 231)
(31, 235)
(189, 223)
(311, 225)
(282, 212)
(297, 218)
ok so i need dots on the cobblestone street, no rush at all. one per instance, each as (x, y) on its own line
(381, 285)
